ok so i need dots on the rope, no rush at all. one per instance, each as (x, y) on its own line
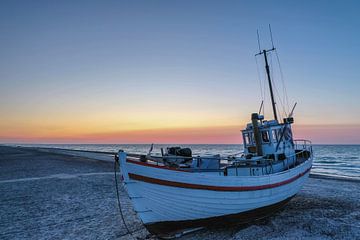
(273, 83)
(283, 101)
(286, 98)
(262, 90)
(276, 91)
(259, 77)
(128, 232)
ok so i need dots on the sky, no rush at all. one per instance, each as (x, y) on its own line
(175, 71)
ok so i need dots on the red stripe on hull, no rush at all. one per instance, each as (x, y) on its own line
(213, 188)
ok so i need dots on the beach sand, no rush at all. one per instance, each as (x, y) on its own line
(52, 195)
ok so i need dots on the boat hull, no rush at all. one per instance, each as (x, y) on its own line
(170, 227)
(167, 200)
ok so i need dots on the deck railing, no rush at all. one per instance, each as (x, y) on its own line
(301, 145)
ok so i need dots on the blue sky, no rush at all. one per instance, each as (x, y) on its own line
(67, 64)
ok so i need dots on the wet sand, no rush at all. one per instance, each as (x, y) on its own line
(52, 195)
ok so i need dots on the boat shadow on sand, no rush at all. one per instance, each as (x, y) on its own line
(305, 215)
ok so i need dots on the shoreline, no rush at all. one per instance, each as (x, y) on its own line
(109, 156)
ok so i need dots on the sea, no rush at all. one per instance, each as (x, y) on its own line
(329, 160)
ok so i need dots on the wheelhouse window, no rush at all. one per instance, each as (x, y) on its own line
(274, 135)
(265, 136)
(247, 139)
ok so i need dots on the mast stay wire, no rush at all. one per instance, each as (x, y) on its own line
(262, 92)
(285, 95)
(271, 37)
(286, 98)
(277, 97)
(272, 82)
(276, 89)
(283, 99)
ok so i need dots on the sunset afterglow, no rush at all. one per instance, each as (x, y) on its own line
(175, 72)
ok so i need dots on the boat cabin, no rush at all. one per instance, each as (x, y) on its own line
(269, 139)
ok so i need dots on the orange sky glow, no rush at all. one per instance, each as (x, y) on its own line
(327, 134)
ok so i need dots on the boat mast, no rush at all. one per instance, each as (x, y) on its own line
(269, 80)
(268, 71)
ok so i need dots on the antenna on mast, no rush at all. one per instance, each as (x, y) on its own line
(267, 68)
(258, 38)
(271, 37)
(292, 111)
(261, 106)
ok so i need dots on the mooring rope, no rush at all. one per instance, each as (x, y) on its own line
(128, 232)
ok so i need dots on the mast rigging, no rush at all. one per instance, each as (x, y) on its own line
(264, 52)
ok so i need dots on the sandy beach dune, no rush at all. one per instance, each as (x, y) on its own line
(52, 195)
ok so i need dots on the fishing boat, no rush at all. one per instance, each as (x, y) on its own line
(177, 191)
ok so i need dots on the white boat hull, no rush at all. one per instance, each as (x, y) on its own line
(182, 199)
